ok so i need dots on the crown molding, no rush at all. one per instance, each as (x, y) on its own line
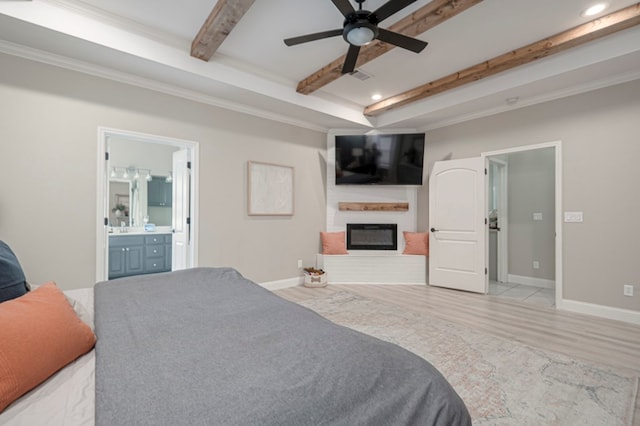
(145, 83)
(547, 97)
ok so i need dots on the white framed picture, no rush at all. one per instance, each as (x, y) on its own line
(270, 189)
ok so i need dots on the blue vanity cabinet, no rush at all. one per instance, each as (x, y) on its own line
(139, 254)
(157, 253)
(126, 255)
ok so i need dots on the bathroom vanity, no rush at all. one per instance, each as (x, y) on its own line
(137, 253)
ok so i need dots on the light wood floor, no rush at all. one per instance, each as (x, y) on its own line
(593, 339)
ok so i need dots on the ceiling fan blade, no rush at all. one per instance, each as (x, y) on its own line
(350, 61)
(401, 40)
(390, 7)
(311, 37)
(344, 7)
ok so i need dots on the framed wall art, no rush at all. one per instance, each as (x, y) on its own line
(270, 189)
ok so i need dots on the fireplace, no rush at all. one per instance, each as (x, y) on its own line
(372, 236)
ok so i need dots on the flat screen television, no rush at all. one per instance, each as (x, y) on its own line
(391, 159)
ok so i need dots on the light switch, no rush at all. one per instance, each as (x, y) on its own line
(537, 216)
(573, 216)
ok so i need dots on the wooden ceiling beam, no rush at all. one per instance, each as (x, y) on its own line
(222, 19)
(592, 30)
(423, 19)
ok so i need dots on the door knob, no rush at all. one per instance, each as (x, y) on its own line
(434, 230)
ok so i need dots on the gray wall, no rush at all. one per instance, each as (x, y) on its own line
(531, 190)
(599, 133)
(48, 155)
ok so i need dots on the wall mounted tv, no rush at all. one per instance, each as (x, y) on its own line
(385, 159)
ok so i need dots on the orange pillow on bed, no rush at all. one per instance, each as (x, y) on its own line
(333, 243)
(416, 243)
(39, 334)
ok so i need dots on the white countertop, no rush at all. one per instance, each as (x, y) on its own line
(139, 230)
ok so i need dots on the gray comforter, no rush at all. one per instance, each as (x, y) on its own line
(207, 347)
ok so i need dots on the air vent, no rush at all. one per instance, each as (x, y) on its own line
(361, 75)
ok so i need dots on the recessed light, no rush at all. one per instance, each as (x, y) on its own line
(595, 9)
(376, 96)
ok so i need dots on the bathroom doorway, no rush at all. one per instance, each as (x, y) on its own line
(524, 213)
(146, 203)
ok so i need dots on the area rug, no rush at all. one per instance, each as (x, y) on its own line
(502, 382)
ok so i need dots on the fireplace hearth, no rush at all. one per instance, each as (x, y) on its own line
(372, 236)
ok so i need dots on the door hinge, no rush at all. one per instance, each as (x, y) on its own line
(189, 165)
(106, 156)
(485, 271)
(485, 220)
(485, 171)
(188, 221)
(106, 221)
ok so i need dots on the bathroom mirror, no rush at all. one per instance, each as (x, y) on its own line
(146, 169)
(121, 202)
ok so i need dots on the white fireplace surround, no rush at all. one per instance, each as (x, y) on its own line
(376, 266)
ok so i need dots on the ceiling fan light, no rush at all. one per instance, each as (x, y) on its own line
(359, 36)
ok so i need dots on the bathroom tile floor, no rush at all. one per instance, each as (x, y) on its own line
(523, 293)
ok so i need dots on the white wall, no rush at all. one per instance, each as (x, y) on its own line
(599, 133)
(48, 157)
(337, 220)
(531, 189)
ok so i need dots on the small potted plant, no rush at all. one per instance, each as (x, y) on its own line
(119, 210)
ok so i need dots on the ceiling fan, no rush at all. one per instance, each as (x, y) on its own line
(360, 27)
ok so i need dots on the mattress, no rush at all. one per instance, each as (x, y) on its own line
(283, 364)
(68, 397)
(207, 346)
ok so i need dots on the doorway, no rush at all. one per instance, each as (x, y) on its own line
(459, 221)
(498, 215)
(146, 195)
(529, 222)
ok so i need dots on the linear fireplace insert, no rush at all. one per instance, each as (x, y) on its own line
(372, 236)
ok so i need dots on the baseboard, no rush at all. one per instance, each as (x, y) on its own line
(532, 281)
(602, 311)
(286, 283)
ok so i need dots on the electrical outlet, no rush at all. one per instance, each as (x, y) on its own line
(537, 216)
(628, 290)
(536, 264)
(299, 263)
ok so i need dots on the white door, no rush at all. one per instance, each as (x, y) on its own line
(180, 211)
(458, 237)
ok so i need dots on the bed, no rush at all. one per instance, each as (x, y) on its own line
(206, 346)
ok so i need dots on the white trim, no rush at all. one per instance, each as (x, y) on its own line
(279, 284)
(502, 269)
(558, 201)
(101, 183)
(531, 281)
(32, 54)
(602, 311)
(535, 100)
